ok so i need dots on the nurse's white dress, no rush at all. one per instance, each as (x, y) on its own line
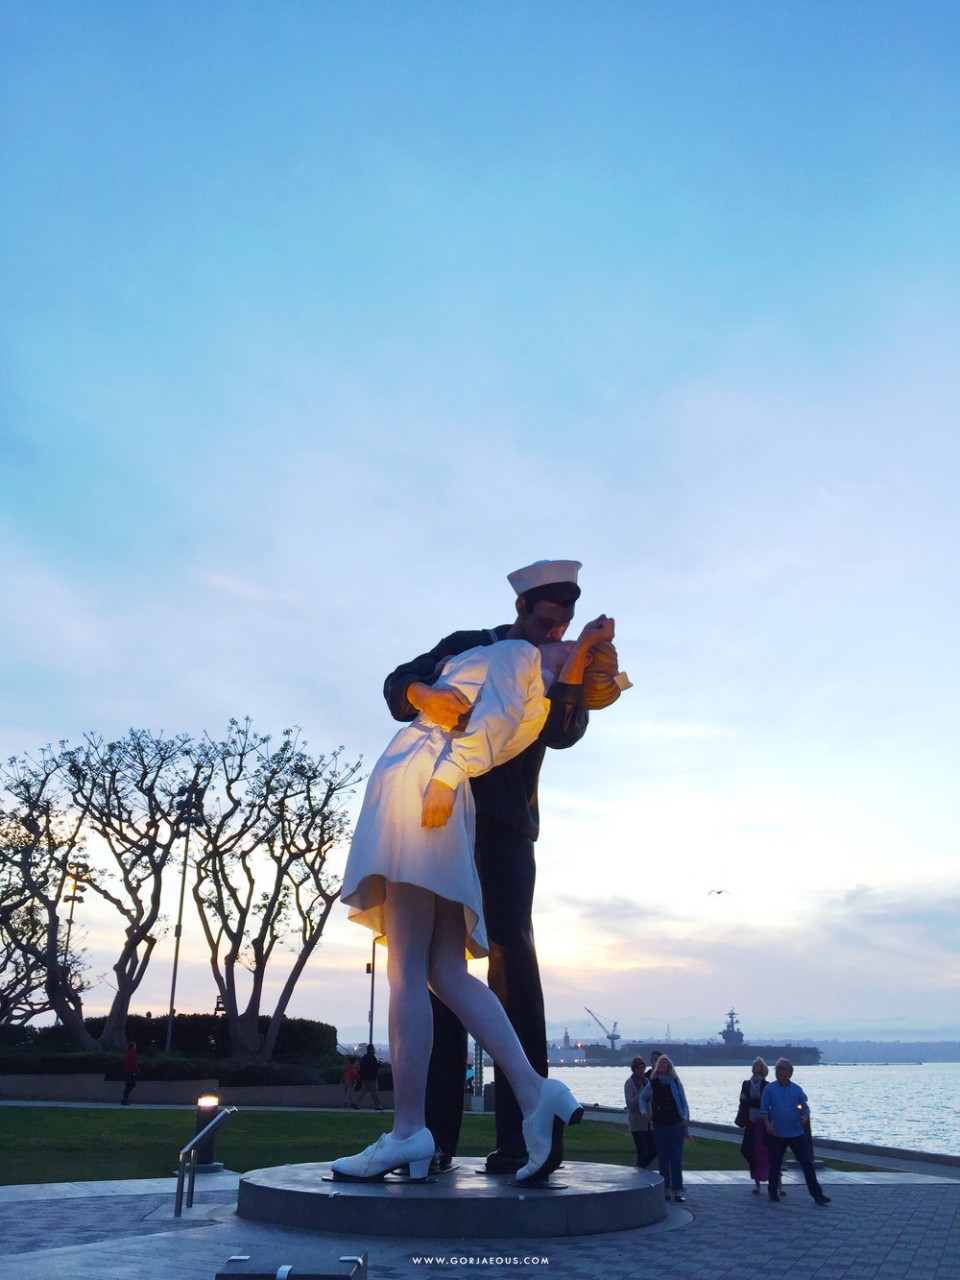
(504, 683)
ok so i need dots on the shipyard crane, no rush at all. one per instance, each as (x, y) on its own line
(613, 1036)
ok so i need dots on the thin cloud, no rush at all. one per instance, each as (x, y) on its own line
(681, 732)
(242, 588)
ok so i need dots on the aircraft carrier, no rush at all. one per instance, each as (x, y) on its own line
(731, 1049)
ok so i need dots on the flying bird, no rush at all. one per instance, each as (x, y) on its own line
(717, 891)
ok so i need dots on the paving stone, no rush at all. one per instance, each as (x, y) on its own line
(872, 1231)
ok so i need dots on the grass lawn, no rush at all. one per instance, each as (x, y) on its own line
(73, 1144)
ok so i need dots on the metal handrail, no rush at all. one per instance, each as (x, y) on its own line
(188, 1156)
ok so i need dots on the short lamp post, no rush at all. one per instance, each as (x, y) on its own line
(207, 1105)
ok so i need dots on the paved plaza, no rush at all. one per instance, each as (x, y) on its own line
(879, 1226)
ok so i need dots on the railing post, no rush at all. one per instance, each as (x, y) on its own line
(192, 1181)
(178, 1206)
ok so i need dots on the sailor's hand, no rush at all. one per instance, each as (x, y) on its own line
(437, 804)
(596, 632)
(443, 707)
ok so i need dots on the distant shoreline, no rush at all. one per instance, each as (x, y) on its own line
(833, 1052)
(824, 1062)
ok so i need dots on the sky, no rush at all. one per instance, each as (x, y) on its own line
(320, 318)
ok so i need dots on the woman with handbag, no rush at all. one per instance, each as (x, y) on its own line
(754, 1145)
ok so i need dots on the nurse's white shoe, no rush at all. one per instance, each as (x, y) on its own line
(543, 1130)
(387, 1154)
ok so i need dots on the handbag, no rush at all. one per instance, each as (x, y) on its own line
(743, 1114)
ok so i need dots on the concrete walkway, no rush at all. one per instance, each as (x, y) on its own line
(879, 1226)
(855, 1153)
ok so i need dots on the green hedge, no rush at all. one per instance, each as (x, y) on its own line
(171, 1068)
(204, 1035)
(13, 1036)
(75, 1063)
(30, 1062)
(305, 1053)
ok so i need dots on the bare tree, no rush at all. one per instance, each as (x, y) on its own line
(106, 816)
(270, 821)
(22, 969)
(122, 795)
(126, 793)
(40, 841)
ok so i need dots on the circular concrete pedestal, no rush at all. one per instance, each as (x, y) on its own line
(580, 1199)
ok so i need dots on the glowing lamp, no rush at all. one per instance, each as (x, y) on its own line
(207, 1104)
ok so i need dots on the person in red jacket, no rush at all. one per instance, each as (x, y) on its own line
(351, 1083)
(131, 1069)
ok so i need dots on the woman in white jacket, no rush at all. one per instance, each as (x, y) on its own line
(411, 877)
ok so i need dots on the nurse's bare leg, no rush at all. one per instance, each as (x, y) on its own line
(475, 1004)
(410, 923)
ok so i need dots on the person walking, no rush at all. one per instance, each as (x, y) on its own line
(754, 1145)
(369, 1069)
(664, 1097)
(131, 1069)
(351, 1083)
(786, 1114)
(638, 1118)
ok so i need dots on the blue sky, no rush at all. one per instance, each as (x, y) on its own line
(319, 318)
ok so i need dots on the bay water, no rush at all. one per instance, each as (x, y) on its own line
(912, 1106)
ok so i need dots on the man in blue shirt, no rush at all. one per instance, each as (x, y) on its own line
(786, 1115)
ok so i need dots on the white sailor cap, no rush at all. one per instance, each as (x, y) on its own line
(543, 573)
